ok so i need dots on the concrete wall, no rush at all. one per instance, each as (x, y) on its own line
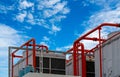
(110, 58)
(69, 67)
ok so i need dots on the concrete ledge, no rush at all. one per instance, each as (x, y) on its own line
(46, 75)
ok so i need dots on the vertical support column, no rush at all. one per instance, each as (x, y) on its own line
(12, 65)
(41, 58)
(100, 52)
(77, 59)
(34, 54)
(26, 54)
(83, 56)
(74, 59)
(9, 62)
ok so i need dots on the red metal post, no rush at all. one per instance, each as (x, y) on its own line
(13, 62)
(100, 52)
(34, 54)
(91, 31)
(75, 59)
(26, 54)
(75, 62)
(83, 57)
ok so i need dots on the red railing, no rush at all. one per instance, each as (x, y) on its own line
(30, 43)
(83, 51)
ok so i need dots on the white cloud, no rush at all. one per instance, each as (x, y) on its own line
(4, 9)
(54, 29)
(44, 43)
(42, 22)
(64, 48)
(47, 4)
(104, 4)
(8, 37)
(110, 16)
(21, 16)
(58, 8)
(45, 38)
(28, 27)
(65, 10)
(30, 16)
(43, 13)
(25, 4)
(89, 43)
(57, 18)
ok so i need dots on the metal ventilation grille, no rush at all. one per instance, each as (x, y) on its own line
(51, 65)
(90, 69)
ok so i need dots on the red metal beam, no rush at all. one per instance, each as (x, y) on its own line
(23, 45)
(93, 49)
(94, 39)
(41, 46)
(28, 43)
(13, 62)
(70, 50)
(18, 56)
(97, 46)
(91, 31)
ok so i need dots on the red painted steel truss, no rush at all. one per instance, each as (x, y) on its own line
(77, 44)
(31, 43)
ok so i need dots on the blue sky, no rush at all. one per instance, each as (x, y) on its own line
(55, 23)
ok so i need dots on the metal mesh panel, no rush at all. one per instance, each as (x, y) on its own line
(57, 63)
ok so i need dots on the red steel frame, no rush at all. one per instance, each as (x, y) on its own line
(84, 37)
(27, 44)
